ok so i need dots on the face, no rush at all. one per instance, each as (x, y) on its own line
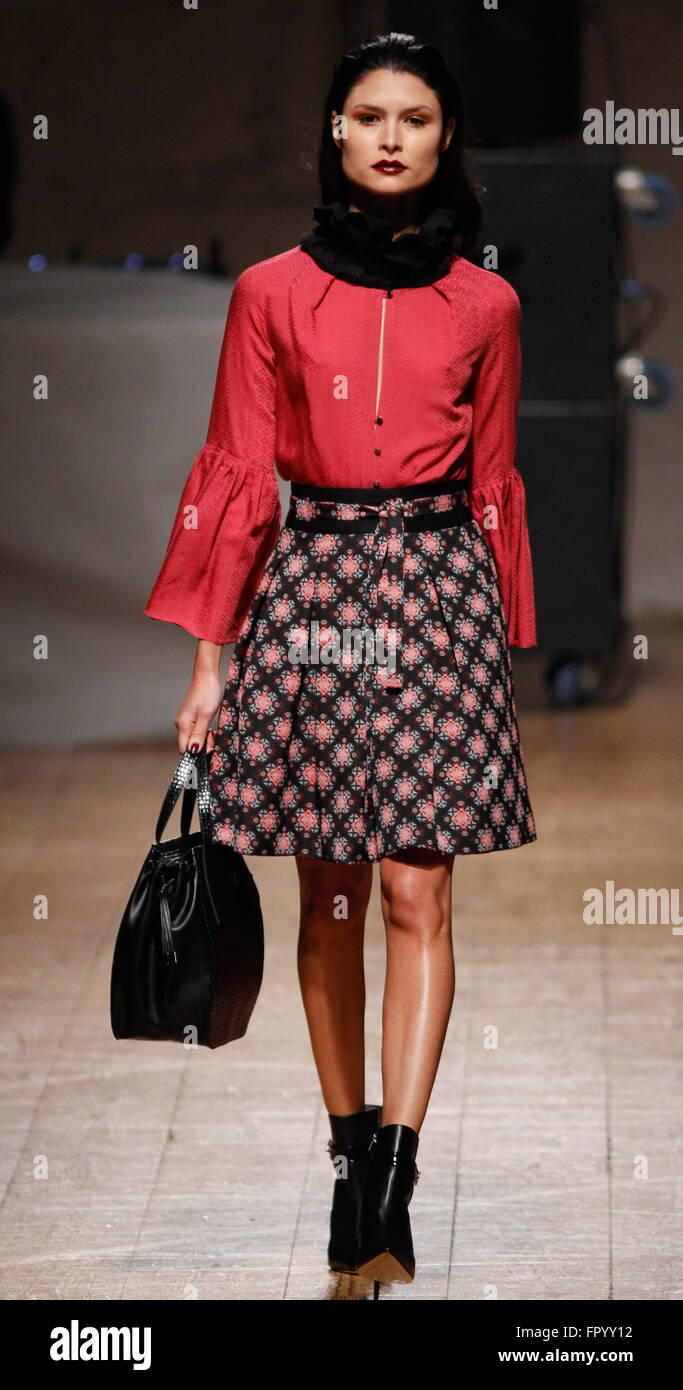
(391, 133)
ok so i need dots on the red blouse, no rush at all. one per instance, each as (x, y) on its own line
(345, 385)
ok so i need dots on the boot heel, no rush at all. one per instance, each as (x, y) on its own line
(385, 1247)
(386, 1269)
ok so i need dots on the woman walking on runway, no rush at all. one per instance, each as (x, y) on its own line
(368, 714)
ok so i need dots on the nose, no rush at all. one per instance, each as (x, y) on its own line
(391, 141)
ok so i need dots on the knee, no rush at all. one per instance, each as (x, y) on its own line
(331, 912)
(410, 911)
(320, 933)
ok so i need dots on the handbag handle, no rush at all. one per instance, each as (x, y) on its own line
(201, 794)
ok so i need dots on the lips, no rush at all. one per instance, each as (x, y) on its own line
(389, 166)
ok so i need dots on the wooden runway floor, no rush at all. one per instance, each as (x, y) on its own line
(551, 1163)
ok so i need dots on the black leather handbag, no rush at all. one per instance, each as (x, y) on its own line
(188, 959)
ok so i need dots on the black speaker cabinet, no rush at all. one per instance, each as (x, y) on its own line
(552, 217)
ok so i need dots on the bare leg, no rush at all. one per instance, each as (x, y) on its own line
(420, 979)
(334, 900)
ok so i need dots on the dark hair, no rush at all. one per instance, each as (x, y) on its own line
(451, 186)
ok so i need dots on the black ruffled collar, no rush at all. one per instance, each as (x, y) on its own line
(360, 248)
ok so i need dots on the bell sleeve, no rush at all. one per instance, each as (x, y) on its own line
(495, 488)
(228, 517)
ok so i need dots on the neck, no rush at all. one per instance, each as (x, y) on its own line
(401, 211)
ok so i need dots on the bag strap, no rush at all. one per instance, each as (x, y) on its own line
(200, 794)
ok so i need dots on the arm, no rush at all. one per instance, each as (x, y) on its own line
(228, 517)
(496, 490)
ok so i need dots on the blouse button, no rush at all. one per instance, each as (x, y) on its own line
(379, 420)
(378, 451)
(390, 294)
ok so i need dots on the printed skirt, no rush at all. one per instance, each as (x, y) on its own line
(369, 704)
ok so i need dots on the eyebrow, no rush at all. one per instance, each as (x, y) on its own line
(368, 106)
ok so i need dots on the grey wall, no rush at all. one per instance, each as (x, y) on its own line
(92, 480)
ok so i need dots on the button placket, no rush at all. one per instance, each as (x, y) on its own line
(380, 360)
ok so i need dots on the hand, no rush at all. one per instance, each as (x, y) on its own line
(202, 701)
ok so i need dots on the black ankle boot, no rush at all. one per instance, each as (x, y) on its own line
(386, 1246)
(351, 1136)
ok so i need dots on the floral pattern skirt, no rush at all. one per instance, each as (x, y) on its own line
(369, 704)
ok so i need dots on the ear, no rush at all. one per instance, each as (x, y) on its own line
(447, 135)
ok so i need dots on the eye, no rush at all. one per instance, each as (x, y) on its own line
(372, 116)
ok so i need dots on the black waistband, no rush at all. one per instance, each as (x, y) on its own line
(374, 494)
(423, 521)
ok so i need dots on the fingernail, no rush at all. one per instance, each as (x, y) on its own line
(194, 748)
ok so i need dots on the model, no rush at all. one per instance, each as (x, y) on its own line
(368, 713)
